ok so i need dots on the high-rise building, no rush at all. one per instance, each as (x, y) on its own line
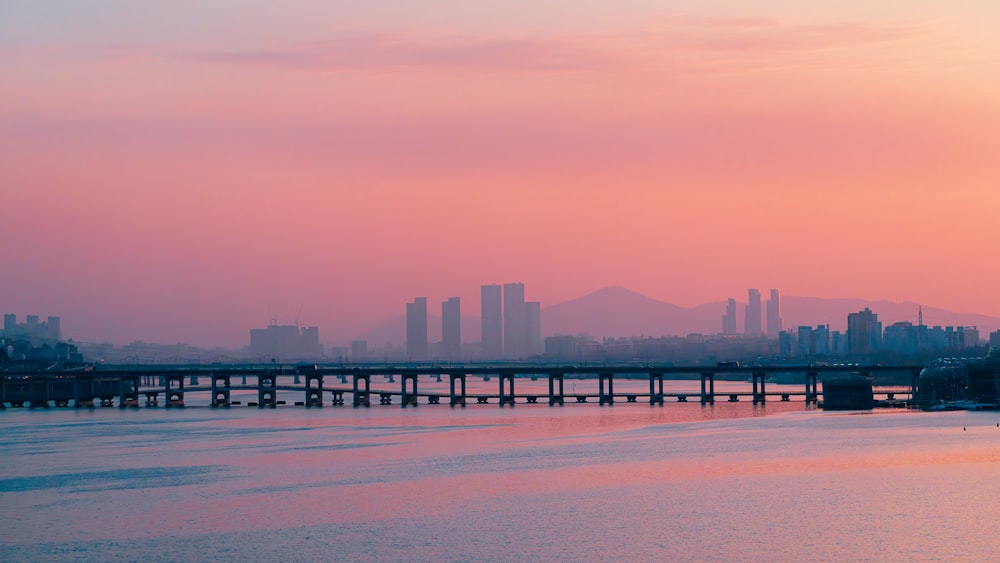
(9, 324)
(533, 328)
(995, 339)
(492, 321)
(451, 329)
(752, 318)
(785, 343)
(53, 328)
(359, 350)
(864, 332)
(774, 324)
(513, 320)
(806, 342)
(285, 342)
(729, 319)
(416, 329)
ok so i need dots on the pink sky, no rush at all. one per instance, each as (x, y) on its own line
(171, 173)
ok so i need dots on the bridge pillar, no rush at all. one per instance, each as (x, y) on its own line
(173, 390)
(915, 384)
(505, 397)
(267, 390)
(707, 387)
(759, 395)
(194, 380)
(362, 397)
(554, 396)
(83, 391)
(607, 397)
(39, 392)
(221, 390)
(3, 392)
(811, 387)
(656, 388)
(314, 390)
(409, 397)
(455, 398)
(128, 395)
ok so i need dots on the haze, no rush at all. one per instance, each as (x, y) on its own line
(179, 172)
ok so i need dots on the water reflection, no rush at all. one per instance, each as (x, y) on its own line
(729, 481)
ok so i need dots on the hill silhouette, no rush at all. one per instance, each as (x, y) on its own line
(617, 311)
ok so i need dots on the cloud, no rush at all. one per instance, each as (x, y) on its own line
(423, 51)
(678, 40)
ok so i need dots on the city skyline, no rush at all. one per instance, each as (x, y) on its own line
(347, 157)
(435, 325)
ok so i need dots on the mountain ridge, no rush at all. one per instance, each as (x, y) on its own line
(616, 311)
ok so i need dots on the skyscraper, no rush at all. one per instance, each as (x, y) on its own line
(416, 329)
(752, 318)
(513, 320)
(451, 329)
(864, 332)
(533, 328)
(729, 319)
(492, 321)
(774, 324)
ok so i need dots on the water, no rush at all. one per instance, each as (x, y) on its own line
(681, 482)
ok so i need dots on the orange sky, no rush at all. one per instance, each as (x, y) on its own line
(171, 173)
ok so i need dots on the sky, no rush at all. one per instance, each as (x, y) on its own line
(184, 171)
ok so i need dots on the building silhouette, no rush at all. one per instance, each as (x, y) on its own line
(32, 329)
(359, 350)
(864, 332)
(451, 328)
(416, 329)
(752, 320)
(774, 324)
(729, 319)
(513, 320)
(492, 321)
(285, 342)
(533, 328)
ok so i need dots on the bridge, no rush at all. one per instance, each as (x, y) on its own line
(131, 387)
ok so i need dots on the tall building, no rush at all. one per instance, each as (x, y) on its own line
(864, 332)
(806, 342)
(286, 342)
(451, 329)
(513, 320)
(492, 321)
(774, 324)
(729, 319)
(533, 328)
(9, 324)
(359, 350)
(416, 329)
(752, 319)
(53, 328)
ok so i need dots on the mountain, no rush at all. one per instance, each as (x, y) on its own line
(814, 310)
(617, 311)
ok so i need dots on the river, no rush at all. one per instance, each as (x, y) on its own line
(581, 482)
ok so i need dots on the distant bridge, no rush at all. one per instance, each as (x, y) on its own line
(128, 385)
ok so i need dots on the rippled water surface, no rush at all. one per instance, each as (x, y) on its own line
(579, 482)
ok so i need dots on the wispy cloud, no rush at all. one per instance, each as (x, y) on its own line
(426, 50)
(691, 38)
